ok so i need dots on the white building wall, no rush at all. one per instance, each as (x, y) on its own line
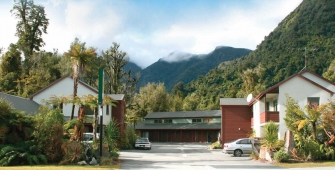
(299, 89)
(65, 88)
(256, 115)
(320, 81)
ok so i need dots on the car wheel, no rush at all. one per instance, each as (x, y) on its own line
(150, 148)
(237, 152)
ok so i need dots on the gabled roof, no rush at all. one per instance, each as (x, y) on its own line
(20, 103)
(185, 114)
(60, 79)
(233, 101)
(113, 96)
(181, 126)
(275, 88)
(116, 96)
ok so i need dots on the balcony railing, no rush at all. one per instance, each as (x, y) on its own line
(269, 115)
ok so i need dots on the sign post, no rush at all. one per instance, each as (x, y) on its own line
(100, 101)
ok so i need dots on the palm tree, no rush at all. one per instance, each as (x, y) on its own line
(81, 59)
(270, 138)
(312, 117)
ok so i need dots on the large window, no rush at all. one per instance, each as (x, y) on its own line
(275, 105)
(167, 120)
(208, 120)
(313, 101)
(267, 106)
(196, 120)
(158, 121)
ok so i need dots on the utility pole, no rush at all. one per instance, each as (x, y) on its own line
(100, 101)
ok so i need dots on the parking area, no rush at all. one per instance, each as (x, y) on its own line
(186, 156)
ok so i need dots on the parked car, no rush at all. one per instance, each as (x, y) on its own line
(88, 137)
(143, 143)
(240, 146)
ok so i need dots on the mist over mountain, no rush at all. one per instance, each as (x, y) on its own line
(303, 39)
(185, 67)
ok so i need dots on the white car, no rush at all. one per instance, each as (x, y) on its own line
(143, 143)
(88, 137)
(239, 146)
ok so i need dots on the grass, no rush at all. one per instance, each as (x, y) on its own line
(305, 164)
(61, 167)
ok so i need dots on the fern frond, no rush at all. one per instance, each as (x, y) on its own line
(43, 158)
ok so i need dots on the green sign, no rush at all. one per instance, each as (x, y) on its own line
(101, 85)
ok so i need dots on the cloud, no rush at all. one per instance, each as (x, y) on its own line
(148, 33)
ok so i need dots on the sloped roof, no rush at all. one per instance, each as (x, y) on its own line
(300, 75)
(181, 126)
(20, 103)
(184, 114)
(116, 96)
(113, 96)
(60, 79)
(233, 101)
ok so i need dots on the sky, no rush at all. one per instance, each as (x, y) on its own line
(148, 30)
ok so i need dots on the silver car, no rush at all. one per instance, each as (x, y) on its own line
(143, 143)
(239, 146)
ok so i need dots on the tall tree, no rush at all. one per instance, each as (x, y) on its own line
(30, 27)
(118, 80)
(10, 70)
(81, 58)
(44, 71)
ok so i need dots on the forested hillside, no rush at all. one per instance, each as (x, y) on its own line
(185, 71)
(308, 31)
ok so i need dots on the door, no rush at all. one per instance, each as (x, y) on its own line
(245, 146)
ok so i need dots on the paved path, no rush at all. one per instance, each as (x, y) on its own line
(186, 156)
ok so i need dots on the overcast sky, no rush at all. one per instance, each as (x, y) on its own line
(151, 29)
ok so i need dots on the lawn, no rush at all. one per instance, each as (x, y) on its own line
(306, 164)
(56, 167)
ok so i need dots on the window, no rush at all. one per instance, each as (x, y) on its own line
(158, 121)
(244, 141)
(313, 101)
(107, 110)
(196, 120)
(208, 120)
(167, 120)
(275, 103)
(267, 106)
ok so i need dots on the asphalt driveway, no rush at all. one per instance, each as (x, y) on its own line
(186, 156)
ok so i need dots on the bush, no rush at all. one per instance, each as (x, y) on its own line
(281, 156)
(129, 138)
(216, 145)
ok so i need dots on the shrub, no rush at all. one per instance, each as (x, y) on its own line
(281, 156)
(74, 151)
(216, 145)
(48, 133)
(129, 138)
(22, 153)
(111, 137)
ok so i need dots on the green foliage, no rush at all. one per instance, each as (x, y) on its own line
(112, 136)
(270, 138)
(15, 126)
(152, 98)
(48, 133)
(129, 138)
(216, 145)
(10, 70)
(30, 27)
(74, 152)
(170, 73)
(281, 156)
(22, 153)
(281, 54)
